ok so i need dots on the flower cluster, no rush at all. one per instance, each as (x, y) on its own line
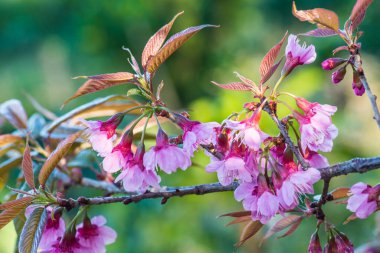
(91, 236)
(363, 200)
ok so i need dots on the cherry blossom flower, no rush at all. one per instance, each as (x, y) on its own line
(54, 228)
(363, 199)
(135, 176)
(249, 131)
(120, 154)
(297, 55)
(315, 160)
(69, 243)
(196, 133)
(232, 166)
(95, 235)
(316, 127)
(103, 133)
(259, 199)
(167, 156)
(296, 184)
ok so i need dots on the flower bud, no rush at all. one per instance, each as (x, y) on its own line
(357, 85)
(332, 63)
(315, 244)
(111, 124)
(338, 75)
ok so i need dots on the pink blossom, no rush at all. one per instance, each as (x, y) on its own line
(357, 85)
(69, 245)
(363, 199)
(196, 133)
(120, 154)
(297, 54)
(296, 184)
(135, 176)
(317, 130)
(167, 156)
(102, 133)
(315, 160)
(54, 228)
(248, 130)
(258, 198)
(95, 235)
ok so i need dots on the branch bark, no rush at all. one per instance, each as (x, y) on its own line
(356, 165)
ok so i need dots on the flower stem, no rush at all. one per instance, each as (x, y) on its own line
(276, 86)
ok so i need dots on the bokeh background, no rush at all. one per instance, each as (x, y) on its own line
(44, 43)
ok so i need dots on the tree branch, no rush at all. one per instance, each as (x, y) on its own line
(356, 165)
(286, 136)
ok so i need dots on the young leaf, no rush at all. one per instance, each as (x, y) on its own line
(32, 231)
(249, 230)
(270, 72)
(48, 114)
(292, 228)
(54, 158)
(350, 218)
(236, 214)
(340, 193)
(95, 105)
(358, 13)
(9, 139)
(240, 86)
(319, 32)
(27, 167)
(9, 214)
(14, 112)
(239, 220)
(171, 45)
(17, 203)
(155, 42)
(7, 165)
(322, 17)
(268, 60)
(282, 224)
(101, 82)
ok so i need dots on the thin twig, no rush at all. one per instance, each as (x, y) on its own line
(356, 165)
(286, 136)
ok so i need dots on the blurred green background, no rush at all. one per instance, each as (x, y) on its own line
(44, 43)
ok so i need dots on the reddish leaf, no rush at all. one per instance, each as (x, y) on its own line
(358, 13)
(55, 157)
(249, 230)
(270, 72)
(341, 48)
(9, 139)
(17, 203)
(340, 193)
(101, 82)
(173, 43)
(155, 42)
(234, 86)
(292, 228)
(9, 214)
(349, 219)
(27, 167)
(268, 60)
(239, 220)
(322, 17)
(236, 214)
(282, 224)
(320, 33)
(245, 80)
(14, 112)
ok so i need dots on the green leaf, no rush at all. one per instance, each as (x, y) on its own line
(32, 232)
(55, 157)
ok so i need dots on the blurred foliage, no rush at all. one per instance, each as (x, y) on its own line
(45, 43)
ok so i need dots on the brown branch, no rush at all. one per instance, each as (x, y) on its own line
(286, 136)
(372, 98)
(356, 165)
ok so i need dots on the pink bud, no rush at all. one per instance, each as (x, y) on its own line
(332, 63)
(111, 124)
(303, 104)
(315, 244)
(338, 75)
(357, 85)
